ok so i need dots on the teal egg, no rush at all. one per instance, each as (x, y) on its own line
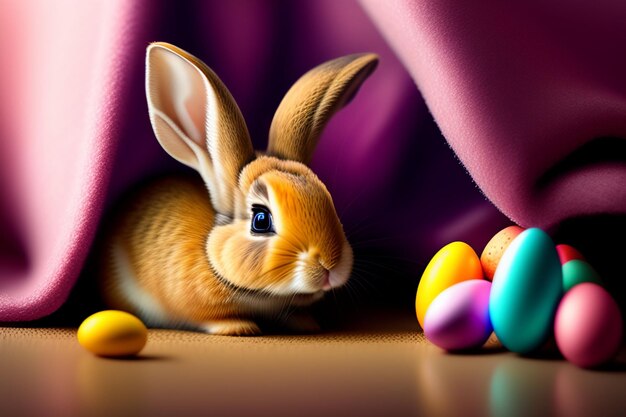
(526, 290)
(576, 272)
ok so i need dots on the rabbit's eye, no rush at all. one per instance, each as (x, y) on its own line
(261, 220)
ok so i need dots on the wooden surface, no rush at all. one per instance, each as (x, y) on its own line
(44, 372)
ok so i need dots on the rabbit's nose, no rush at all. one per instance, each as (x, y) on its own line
(326, 284)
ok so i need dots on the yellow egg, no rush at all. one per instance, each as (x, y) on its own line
(454, 263)
(112, 333)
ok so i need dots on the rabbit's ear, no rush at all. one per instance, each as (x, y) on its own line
(197, 121)
(310, 103)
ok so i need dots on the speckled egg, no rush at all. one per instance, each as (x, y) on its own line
(454, 263)
(495, 248)
(588, 326)
(112, 333)
(568, 253)
(576, 272)
(527, 287)
(458, 318)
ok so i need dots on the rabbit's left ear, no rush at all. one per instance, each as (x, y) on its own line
(197, 121)
(310, 103)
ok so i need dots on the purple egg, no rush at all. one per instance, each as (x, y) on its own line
(588, 326)
(458, 318)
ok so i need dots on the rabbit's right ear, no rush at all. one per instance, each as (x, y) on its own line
(197, 121)
(312, 100)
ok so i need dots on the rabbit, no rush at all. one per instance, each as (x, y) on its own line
(258, 235)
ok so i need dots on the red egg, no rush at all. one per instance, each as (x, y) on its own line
(588, 326)
(568, 253)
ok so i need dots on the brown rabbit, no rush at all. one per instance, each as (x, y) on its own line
(266, 236)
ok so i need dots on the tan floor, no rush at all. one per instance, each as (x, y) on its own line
(367, 373)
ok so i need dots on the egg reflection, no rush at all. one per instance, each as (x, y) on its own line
(505, 384)
(522, 387)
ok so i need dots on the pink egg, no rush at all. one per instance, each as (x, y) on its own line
(588, 326)
(458, 318)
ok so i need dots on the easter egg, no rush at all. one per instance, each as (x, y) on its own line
(568, 253)
(454, 263)
(588, 326)
(576, 272)
(526, 290)
(495, 248)
(112, 333)
(458, 318)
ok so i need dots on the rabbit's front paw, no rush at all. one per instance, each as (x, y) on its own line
(231, 327)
